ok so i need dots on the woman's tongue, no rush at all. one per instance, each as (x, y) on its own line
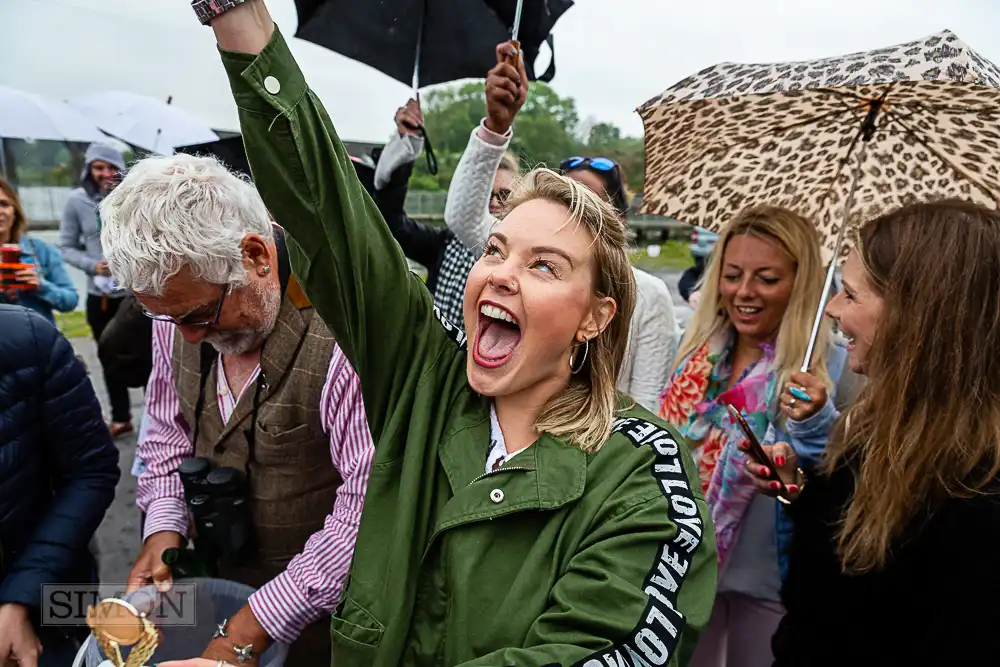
(497, 339)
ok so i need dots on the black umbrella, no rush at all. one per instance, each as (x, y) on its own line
(429, 41)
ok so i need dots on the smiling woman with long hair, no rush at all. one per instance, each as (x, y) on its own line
(519, 511)
(743, 347)
(893, 557)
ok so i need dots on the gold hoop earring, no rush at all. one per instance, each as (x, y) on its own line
(573, 367)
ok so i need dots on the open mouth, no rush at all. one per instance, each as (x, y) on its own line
(497, 336)
(748, 311)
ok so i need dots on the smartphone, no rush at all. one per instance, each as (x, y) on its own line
(756, 451)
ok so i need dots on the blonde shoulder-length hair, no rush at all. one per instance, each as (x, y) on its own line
(797, 237)
(584, 411)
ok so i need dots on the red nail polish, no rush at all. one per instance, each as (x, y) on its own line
(775, 486)
(780, 460)
(793, 488)
(765, 472)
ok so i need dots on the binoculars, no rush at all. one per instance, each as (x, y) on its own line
(217, 502)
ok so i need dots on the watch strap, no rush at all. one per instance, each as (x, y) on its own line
(206, 10)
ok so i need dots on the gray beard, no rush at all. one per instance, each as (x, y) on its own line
(234, 343)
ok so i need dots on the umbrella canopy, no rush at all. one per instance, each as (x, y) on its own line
(143, 121)
(914, 122)
(457, 38)
(29, 116)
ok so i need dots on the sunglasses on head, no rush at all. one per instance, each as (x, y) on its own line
(598, 163)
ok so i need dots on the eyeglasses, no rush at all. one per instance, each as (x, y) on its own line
(182, 323)
(501, 195)
(598, 163)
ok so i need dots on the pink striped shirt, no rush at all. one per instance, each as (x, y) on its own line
(310, 586)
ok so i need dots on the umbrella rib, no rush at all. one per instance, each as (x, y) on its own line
(725, 148)
(961, 170)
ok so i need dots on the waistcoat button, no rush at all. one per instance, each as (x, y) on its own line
(496, 495)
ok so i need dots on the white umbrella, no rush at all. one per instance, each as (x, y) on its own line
(143, 121)
(28, 116)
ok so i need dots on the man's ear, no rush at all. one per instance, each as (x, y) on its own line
(256, 252)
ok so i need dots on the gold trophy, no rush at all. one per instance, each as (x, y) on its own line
(116, 623)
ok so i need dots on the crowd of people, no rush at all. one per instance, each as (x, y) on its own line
(521, 460)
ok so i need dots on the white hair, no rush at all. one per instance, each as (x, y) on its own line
(176, 211)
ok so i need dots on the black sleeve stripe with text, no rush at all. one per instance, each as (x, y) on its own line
(654, 640)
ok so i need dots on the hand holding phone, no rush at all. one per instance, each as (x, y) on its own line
(756, 451)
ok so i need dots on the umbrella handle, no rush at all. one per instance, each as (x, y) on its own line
(515, 59)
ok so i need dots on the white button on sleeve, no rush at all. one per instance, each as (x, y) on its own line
(272, 85)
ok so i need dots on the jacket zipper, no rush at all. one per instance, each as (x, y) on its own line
(493, 472)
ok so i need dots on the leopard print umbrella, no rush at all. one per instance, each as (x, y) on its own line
(794, 135)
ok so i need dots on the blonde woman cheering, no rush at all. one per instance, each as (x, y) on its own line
(745, 341)
(519, 511)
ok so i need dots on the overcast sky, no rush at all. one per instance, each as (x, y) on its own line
(612, 55)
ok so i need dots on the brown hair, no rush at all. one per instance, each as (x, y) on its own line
(20, 221)
(926, 427)
(585, 410)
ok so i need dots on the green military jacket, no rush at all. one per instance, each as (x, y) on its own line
(560, 557)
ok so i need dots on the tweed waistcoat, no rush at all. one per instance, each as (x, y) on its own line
(292, 482)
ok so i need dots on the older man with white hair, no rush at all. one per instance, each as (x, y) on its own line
(254, 381)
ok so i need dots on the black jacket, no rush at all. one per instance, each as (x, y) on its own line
(932, 605)
(420, 242)
(126, 345)
(58, 466)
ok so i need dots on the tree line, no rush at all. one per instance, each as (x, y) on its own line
(548, 130)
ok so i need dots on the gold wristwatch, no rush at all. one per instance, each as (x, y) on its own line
(116, 624)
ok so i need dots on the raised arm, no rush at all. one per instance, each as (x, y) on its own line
(467, 210)
(341, 251)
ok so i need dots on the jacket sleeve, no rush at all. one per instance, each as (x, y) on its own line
(640, 586)
(82, 463)
(653, 340)
(341, 250)
(809, 437)
(420, 242)
(70, 229)
(57, 288)
(467, 210)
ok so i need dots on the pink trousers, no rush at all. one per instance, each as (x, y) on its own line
(739, 633)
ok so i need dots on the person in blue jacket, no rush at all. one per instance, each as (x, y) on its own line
(46, 287)
(58, 471)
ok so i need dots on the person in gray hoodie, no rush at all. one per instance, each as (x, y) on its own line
(80, 241)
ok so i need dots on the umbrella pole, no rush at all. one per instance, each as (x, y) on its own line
(3, 160)
(832, 270)
(516, 28)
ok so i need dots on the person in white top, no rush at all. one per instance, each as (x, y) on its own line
(654, 329)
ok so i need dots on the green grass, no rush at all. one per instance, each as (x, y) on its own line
(674, 256)
(73, 325)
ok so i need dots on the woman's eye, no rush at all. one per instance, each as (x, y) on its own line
(490, 250)
(732, 277)
(544, 266)
(768, 281)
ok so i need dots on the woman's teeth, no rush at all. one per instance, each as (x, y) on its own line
(496, 313)
(743, 310)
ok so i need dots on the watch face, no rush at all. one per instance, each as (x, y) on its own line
(115, 620)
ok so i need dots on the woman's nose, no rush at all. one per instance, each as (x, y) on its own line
(746, 290)
(504, 277)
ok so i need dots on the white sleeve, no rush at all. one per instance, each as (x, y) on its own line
(467, 211)
(399, 151)
(652, 341)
